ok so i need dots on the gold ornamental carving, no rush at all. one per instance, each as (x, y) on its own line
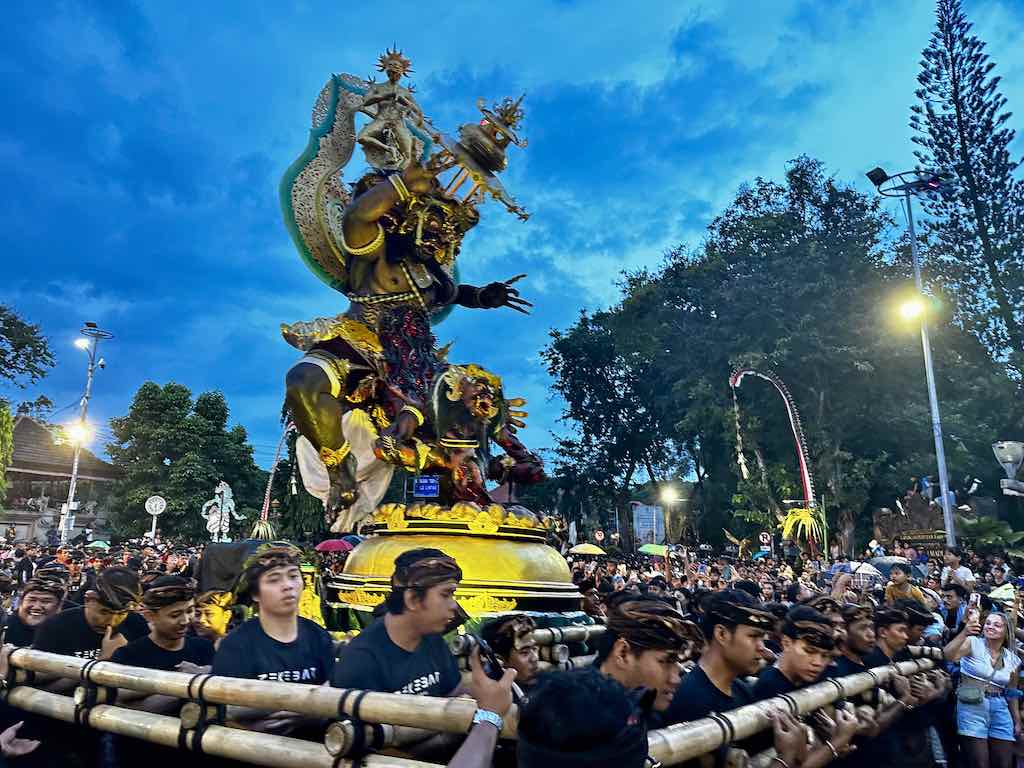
(361, 597)
(485, 603)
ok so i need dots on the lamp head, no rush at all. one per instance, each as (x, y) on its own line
(877, 176)
(78, 433)
(1010, 455)
(911, 309)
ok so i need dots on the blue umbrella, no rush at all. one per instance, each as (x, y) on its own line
(353, 539)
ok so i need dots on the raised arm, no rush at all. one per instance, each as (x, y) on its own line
(360, 226)
(960, 645)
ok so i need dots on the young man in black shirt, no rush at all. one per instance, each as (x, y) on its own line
(404, 651)
(93, 631)
(41, 598)
(278, 644)
(808, 639)
(169, 607)
(734, 629)
(101, 626)
(645, 645)
(807, 643)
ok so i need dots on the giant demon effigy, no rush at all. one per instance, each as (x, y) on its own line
(373, 392)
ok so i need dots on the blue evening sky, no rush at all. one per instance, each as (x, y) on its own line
(142, 144)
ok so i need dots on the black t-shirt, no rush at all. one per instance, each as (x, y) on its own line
(876, 658)
(17, 633)
(844, 666)
(372, 662)
(698, 697)
(251, 653)
(771, 682)
(145, 653)
(69, 634)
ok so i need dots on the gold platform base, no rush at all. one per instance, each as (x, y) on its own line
(507, 570)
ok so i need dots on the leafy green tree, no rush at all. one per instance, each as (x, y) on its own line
(977, 224)
(178, 448)
(986, 534)
(609, 390)
(797, 277)
(25, 354)
(25, 357)
(40, 409)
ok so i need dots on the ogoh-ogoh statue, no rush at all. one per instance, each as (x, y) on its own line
(373, 391)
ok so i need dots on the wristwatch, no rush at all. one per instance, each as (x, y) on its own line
(486, 716)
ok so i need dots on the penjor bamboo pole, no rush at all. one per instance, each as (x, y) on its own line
(682, 742)
(247, 746)
(426, 712)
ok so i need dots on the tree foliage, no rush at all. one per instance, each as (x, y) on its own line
(25, 357)
(179, 448)
(977, 224)
(798, 278)
(610, 392)
(25, 354)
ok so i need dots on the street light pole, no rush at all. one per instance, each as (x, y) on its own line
(929, 372)
(904, 185)
(94, 335)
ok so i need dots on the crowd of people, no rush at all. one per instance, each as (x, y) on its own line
(681, 641)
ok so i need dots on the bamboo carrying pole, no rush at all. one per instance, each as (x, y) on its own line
(685, 741)
(556, 654)
(670, 746)
(574, 662)
(427, 712)
(462, 645)
(573, 634)
(248, 746)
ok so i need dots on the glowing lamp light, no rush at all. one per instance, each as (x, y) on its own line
(78, 433)
(912, 309)
(82, 343)
(669, 494)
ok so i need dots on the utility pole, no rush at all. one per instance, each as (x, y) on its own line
(79, 432)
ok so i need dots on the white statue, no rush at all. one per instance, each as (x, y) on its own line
(218, 512)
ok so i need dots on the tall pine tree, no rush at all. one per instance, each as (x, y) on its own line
(977, 223)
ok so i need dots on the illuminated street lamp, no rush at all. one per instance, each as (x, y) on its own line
(669, 496)
(903, 185)
(912, 309)
(79, 432)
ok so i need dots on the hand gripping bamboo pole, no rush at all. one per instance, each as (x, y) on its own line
(248, 746)
(426, 712)
(679, 743)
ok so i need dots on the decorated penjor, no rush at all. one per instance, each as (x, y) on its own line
(373, 391)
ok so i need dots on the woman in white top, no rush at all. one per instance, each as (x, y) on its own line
(988, 722)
